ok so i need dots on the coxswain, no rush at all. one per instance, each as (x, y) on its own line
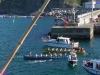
(83, 50)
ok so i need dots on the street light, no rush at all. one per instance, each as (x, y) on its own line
(92, 11)
(74, 11)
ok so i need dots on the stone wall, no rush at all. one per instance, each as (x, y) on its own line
(75, 32)
(85, 18)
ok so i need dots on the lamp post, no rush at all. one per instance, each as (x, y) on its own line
(92, 11)
(74, 11)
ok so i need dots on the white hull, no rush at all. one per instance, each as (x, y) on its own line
(73, 62)
(59, 45)
(92, 71)
(62, 42)
(72, 59)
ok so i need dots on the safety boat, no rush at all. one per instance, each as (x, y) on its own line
(72, 59)
(92, 66)
(62, 42)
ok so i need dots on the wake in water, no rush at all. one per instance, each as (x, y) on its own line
(37, 61)
(19, 57)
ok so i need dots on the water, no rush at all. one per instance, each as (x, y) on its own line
(10, 33)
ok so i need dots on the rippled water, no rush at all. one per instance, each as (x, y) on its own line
(10, 33)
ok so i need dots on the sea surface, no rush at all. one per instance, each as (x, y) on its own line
(11, 30)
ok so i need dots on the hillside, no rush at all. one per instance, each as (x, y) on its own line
(25, 7)
(76, 2)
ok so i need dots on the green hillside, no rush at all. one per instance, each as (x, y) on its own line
(30, 6)
(76, 2)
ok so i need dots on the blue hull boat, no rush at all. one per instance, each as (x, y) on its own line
(28, 57)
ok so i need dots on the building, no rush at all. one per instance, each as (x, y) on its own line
(96, 4)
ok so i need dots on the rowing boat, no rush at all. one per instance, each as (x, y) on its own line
(63, 51)
(44, 57)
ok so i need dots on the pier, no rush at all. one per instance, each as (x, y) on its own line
(76, 32)
(83, 27)
(97, 28)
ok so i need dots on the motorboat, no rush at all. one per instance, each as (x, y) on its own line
(44, 57)
(63, 42)
(72, 59)
(92, 66)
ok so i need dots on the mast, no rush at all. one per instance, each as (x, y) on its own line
(23, 37)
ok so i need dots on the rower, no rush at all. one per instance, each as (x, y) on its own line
(41, 55)
(65, 49)
(65, 54)
(30, 54)
(36, 55)
(46, 55)
(55, 55)
(61, 49)
(73, 50)
(56, 49)
(60, 55)
(52, 49)
(51, 55)
(48, 49)
(69, 57)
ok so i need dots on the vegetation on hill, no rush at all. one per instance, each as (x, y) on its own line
(29, 6)
(76, 2)
(73, 2)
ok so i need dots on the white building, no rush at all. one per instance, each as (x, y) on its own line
(95, 4)
(89, 4)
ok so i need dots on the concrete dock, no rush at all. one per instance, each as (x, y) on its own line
(97, 28)
(82, 27)
(77, 32)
